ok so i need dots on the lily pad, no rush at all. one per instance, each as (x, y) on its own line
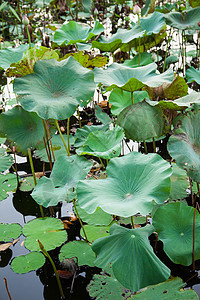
(170, 289)
(124, 193)
(27, 263)
(133, 245)
(74, 32)
(189, 19)
(193, 75)
(184, 145)
(79, 249)
(8, 183)
(6, 160)
(176, 231)
(13, 55)
(55, 88)
(9, 231)
(27, 184)
(49, 231)
(95, 232)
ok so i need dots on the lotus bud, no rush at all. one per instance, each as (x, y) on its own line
(95, 11)
(136, 9)
(25, 20)
(40, 245)
(153, 56)
(13, 148)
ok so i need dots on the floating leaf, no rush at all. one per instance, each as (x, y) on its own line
(189, 19)
(8, 183)
(176, 231)
(49, 231)
(79, 249)
(132, 256)
(27, 184)
(13, 55)
(27, 263)
(55, 88)
(9, 231)
(6, 160)
(134, 180)
(193, 75)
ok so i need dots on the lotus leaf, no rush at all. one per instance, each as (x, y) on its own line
(8, 183)
(26, 65)
(55, 88)
(179, 183)
(79, 249)
(103, 144)
(27, 184)
(153, 23)
(27, 263)
(189, 19)
(120, 99)
(184, 145)
(23, 129)
(132, 256)
(131, 79)
(170, 289)
(74, 32)
(194, 3)
(171, 60)
(176, 231)
(193, 75)
(6, 160)
(95, 232)
(145, 59)
(67, 171)
(141, 121)
(88, 61)
(9, 56)
(134, 180)
(2, 140)
(9, 231)
(102, 117)
(49, 231)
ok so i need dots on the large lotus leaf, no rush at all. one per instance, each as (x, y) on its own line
(55, 88)
(120, 99)
(58, 147)
(95, 232)
(170, 289)
(79, 249)
(131, 79)
(132, 257)
(88, 61)
(13, 55)
(81, 134)
(6, 160)
(179, 183)
(152, 23)
(193, 75)
(23, 129)
(74, 32)
(67, 171)
(176, 231)
(142, 121)
(49, 231)
(134, 180)
(102, 116)
(9, 231)
(184, 145)
(8, 183)
(26, 64)
(194, 3)
(145, 59)
(27, 263)
(103, 144)
(189, 19)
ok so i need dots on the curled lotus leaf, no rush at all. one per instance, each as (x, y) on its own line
(134, 180)
(55, 88)
(193, 75)
(13, 55)
(189, 19)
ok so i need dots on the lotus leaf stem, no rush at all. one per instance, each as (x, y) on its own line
(79, 117)
(164, 65)
(44, 251)
(139, 47)
(80, 221)
(145, 147)
(68, 123)
(191, 191)
(102, 162)
(6, 285)
(34, 177)
(132, 99)
(29, 38)
(154, 145)
(193, 244)
(132, 222)
(61, 135)
(16, 166)
(48, 133)
(47, 144)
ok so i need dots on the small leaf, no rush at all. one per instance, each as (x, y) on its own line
(27, 263)
(9, 231)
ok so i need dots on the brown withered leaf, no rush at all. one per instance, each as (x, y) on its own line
(64, 274)
(5, 246)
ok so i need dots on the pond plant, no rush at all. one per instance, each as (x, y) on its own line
(127, 165)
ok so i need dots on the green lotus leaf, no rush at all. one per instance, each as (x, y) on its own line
(23, 129)
(176, 231)
(194, 3)
(179, 183)
(145, 59)
(170, 289)
(13, 55)
(6, 160)
(134, 180)
(132, 256)
(120, 99)
(26, 65)
(102, 116)
(2, 140)
(55, 88)
(9, 231)
(189, 19)
(73, 32)
(67, 171)
(193, 75)
(172, 59)
(184, 145)
(27, 184)
(153, 23)
(27, 263)
(95, 232)
(103, 144)
(142, 121)
(131, 79)
(81, 134)
(8, 183)
(58, 147)
(49, 231)
(79, 249)
(88, 61)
